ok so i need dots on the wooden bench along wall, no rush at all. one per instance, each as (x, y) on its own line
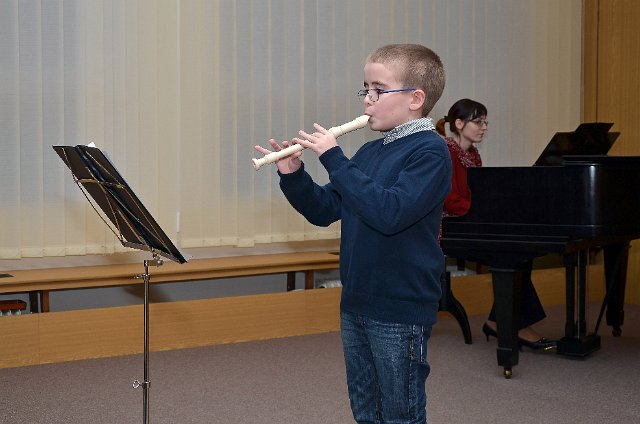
(42, 281)
(41, 338)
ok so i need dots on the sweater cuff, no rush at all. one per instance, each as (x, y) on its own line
(332, 158)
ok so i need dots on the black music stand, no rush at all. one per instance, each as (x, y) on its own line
(130, 221)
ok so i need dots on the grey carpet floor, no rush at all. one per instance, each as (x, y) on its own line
(301, 380)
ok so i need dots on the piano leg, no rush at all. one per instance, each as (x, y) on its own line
(576, 341)
(583, 262)
(616, 257)
(507, 294)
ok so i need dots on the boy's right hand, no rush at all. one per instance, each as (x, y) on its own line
(286, 165)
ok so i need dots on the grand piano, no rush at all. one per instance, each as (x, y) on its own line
(575, 198)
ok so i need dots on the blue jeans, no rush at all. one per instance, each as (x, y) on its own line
(387, 369)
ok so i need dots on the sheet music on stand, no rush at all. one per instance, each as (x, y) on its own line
(130, 221)
(134, 226)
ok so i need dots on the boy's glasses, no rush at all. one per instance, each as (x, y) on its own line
(480, 122)
(374, 93)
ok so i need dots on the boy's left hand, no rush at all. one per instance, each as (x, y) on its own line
(320, 141)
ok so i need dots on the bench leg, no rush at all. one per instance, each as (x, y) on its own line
(44, 301)
(34, 306)
(309, 280)
(291, 281)
(39, 301)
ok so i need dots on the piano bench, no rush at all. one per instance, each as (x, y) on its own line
(449, 303)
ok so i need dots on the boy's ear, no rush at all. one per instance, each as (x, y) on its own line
(417, 100)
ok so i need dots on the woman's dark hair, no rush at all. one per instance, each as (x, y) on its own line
(464, 109)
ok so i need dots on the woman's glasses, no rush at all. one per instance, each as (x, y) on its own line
(480, 122)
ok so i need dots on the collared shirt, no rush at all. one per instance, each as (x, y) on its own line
(403, 130)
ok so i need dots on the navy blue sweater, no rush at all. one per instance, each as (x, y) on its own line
(389, 199)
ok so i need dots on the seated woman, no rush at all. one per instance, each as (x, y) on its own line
(468, 124)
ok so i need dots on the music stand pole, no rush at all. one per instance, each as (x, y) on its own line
(146, 383)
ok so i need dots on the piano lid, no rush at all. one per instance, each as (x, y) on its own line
(592, 138)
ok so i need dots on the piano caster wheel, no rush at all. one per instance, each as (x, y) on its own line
(617, 331)
(507, 373)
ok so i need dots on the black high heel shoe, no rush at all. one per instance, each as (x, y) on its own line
(488, 331)
(540, 344)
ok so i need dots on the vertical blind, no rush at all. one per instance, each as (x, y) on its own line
(178, 92)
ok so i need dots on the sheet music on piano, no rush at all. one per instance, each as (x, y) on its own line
(591, 138)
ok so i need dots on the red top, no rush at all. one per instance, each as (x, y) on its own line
(459, 199)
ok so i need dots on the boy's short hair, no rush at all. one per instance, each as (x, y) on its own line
(415, 66)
